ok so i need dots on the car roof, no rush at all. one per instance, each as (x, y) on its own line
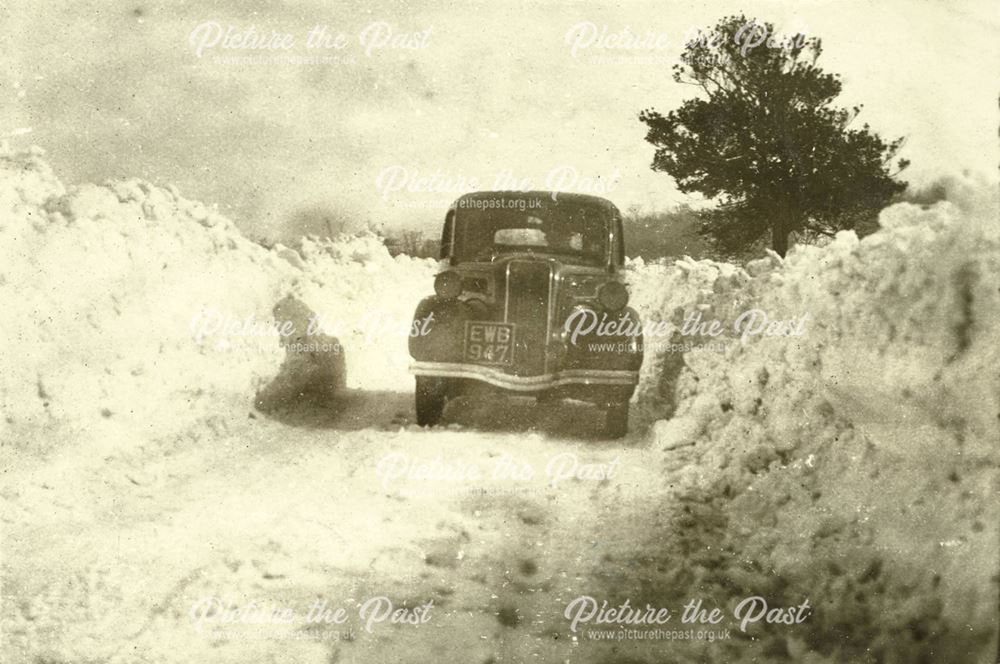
(524, 195)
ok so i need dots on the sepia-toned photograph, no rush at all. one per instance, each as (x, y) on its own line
(500, 332)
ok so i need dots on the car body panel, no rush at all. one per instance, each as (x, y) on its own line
(507, 327)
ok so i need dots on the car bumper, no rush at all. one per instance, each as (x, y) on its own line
(498, 378)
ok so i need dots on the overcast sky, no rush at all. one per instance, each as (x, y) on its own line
(463, 90)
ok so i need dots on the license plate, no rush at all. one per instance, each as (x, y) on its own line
(489, 343)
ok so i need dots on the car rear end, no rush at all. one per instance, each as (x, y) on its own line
(500, 313)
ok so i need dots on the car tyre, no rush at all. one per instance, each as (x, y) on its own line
(616, 420)
(431, 394)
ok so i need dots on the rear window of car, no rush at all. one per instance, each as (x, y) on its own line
(489, 227)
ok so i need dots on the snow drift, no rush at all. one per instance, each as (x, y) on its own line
(130, 311)
(859, 459)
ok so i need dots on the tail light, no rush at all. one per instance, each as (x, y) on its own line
(613, 296)
(448, 285)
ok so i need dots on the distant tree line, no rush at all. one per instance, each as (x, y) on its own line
(413, 242)
(653, 234)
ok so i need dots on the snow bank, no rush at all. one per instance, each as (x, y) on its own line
(130, 310)
(856, 462)
(670, 293)
(366, 298)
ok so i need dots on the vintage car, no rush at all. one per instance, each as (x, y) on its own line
(531, 302)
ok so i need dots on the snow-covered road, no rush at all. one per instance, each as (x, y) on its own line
(152, 514)
(499, 526)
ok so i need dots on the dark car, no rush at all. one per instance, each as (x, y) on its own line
(532, 302)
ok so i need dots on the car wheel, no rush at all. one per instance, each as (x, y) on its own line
(431, 393)
(616, 422)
